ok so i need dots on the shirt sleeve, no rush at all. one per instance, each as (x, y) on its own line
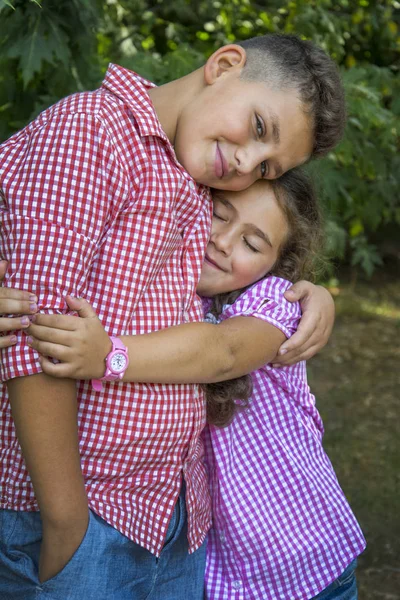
(265, 301)
(61, 186)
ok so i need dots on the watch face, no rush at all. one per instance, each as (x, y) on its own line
(118, 362)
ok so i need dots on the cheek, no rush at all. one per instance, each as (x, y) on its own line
(248, 271)
(238, 184)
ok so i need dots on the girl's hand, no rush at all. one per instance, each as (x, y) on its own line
(80, 344)
(14, 302)
(315, 325)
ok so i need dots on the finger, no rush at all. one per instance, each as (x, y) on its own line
(64, 322)
(290, 357)
(303, 334)
(55, 370)
(61, 337)
(81, 306)
(297, 345)
(298, 291)
(15, 306)
(3, 268)
(9, 323)
(294, 358)
(7, 341)
(48, 349)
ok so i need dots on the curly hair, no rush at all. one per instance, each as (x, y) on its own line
(298, 257)
(288, 62)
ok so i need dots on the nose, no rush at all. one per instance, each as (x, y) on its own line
(223, 241)
(248, 158)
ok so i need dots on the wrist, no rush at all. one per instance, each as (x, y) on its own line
(116, 363)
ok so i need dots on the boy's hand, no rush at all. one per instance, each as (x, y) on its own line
(315, 325)
(81, 345)
(14, 302)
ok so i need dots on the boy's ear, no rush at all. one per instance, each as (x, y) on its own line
(224, 60)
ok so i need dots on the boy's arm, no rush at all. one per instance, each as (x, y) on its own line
(315, 325)
(56, 210)
(187, 353)
(39, 405)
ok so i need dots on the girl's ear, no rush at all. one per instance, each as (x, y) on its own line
(225, 60)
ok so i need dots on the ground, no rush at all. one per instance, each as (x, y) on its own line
(356, 380)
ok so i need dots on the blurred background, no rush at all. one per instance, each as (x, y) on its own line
(49, 49)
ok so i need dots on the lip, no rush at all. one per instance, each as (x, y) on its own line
(220, 164)
(213, 264)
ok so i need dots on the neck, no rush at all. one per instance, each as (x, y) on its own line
(170, 99)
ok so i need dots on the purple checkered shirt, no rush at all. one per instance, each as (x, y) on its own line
(282, 528)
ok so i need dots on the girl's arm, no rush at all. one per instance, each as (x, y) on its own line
(192, 352)
(14, 302)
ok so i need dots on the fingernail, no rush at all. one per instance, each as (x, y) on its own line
(25, 321)
(282, 351)
(13, 339)
(33, 307)
(33, 298)
(29, 339)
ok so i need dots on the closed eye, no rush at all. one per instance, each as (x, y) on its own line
(252, 248)
(217, 216)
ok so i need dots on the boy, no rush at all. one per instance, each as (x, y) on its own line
(100, 200)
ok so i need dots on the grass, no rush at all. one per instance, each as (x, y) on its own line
(356, 380)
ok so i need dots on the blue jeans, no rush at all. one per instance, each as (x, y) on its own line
(343, 588)
(107, 565)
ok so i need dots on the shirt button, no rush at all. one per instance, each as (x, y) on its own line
(237, 584)
(192, 185)
(222, 538)
(185, 316)
(196, 392)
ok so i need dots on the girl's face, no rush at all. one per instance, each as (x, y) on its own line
(248, 229)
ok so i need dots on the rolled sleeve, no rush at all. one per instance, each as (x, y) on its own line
(265, 301)
(61, 187)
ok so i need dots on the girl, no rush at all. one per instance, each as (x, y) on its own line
(282, 528)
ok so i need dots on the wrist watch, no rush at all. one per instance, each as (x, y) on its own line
(116, 364)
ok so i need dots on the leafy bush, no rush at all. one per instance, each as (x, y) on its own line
(50, 49)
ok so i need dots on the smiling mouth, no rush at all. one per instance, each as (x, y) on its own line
(220, 164)
(213, 264)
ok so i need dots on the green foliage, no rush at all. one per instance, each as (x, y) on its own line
(49, 49)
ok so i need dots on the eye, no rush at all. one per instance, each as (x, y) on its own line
(259, 126)
(252, 248)
(264, 168)
(217, 216)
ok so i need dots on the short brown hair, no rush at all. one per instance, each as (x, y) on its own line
(289, 62)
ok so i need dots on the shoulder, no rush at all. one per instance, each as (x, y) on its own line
(269, 290)
(265, 300)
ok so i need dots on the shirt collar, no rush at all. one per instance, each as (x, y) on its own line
(133, 90)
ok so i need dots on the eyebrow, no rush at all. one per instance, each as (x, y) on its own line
(276, 130)
(276, 134)
(261, 234)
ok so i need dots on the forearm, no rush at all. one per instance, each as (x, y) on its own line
(45, 415)
(201, 352)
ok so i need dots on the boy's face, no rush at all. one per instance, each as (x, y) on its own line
(247, 232)
(235, 132)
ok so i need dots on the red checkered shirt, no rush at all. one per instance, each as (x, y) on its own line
(94, 204)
